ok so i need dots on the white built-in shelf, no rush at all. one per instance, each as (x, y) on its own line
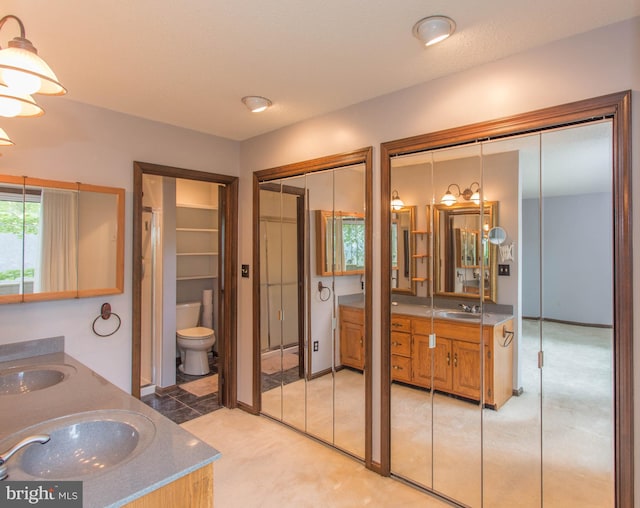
(197, 230)
(196, 253)
(197, 277)
(194, 205)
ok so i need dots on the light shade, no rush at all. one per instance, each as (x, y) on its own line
(434, 29)
(23, 70)
(256, 104)
(396, 202)
(448, 199)
(13, 104)
(4, 138)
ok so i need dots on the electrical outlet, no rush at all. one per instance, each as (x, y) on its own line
(316, 345)
(504, 270)
(245, 271)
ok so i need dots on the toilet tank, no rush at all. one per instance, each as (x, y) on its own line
(187, 315)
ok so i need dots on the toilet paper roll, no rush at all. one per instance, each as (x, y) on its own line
(207, 316)
(207, 297)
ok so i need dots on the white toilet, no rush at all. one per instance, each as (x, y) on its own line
(194, 341)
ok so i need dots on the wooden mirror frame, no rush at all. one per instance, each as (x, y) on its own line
(322, 216)
(616, 107)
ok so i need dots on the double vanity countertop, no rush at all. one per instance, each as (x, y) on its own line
(425, 311)
(169, 451)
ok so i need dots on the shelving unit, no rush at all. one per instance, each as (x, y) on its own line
(196, 239)
(422, 244)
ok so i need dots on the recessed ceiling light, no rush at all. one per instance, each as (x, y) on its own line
(256, 104)
(434, 29)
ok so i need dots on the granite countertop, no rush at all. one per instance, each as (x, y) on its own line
(171, 453)
(417, 310)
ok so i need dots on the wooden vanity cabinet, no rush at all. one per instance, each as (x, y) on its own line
(352, 337)
(401, 349)
(456, 358)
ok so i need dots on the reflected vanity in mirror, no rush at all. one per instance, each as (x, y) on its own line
(463, 256)
(59, 240)
(340, 242)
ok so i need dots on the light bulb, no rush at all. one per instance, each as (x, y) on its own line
(9, 107)
(21, 81)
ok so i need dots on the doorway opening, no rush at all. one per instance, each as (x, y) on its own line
(184, 255)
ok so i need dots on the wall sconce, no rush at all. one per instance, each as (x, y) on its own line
(256, 104)
(396, 202)
(22, 70)
(469, 194)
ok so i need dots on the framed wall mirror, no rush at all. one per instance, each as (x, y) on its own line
(340, 239)
(60, 239)
(463, 253)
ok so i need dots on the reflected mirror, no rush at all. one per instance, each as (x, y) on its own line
(403, 248)
(339, 240)
(465, 260)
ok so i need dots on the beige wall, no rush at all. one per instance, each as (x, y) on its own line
(75, 142)
(588, 65)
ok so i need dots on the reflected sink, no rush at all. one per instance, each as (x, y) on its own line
(20, 380)
(81, 445)
(458, 314)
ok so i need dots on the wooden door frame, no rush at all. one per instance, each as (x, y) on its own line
(615, 106)
(228, 274)
(361, 156)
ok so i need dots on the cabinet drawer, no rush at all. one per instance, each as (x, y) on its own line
(401, 368)
(462, 331)
(352, 315)
(421, 326)
(400, 344)
(400, 324)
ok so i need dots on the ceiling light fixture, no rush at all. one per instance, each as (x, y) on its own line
(256, 104)
(469, 194)
(4, 138)
(14, 104)
(23, 70)
(434, 29)
(396, 202)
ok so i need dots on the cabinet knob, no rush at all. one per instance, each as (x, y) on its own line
(455, 360)
(448, 359)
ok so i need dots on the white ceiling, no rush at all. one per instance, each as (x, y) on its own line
(189, 63)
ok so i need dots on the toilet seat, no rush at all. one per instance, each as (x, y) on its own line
(197, 332)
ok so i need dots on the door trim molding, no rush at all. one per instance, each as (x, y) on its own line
(616, 106)
(227, 343)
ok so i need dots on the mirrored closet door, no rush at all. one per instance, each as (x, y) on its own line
(502, 367)
(313, 250)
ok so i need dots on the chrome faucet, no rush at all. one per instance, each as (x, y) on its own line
(36, 438)
(474, 309)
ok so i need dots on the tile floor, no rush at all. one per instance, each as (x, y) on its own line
(181, 406)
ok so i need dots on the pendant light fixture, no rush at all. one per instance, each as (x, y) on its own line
(14, 104)
(4, 138)
(22, 70)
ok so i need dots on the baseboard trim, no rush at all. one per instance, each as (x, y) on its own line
(163, 390)
(247, 408)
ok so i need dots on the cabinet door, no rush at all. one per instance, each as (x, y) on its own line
(351, 345)
(442, 361)
(421, 361)
(466, 369)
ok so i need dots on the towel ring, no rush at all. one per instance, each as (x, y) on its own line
(105, 313)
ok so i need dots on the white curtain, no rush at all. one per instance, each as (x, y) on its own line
(58, 241)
